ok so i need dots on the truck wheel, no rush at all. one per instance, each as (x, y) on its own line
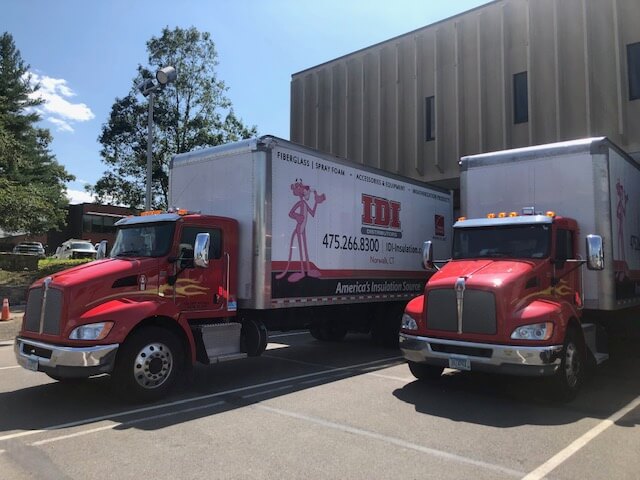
(254, 337)
(148, 364)
(570, 376)
(423, 371)
(328, 331)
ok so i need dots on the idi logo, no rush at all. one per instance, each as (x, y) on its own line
(380, 212)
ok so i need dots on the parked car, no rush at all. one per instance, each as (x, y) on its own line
(30, 248)
(73, 248)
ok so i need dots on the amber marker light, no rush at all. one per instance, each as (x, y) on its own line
(502, 214)
(491, 215)
(460, 219)
(551, 213)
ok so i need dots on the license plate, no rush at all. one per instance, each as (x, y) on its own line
(460, 363)
(31, 364)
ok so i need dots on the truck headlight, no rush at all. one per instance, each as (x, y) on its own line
(91, 331)
(535, 331)
(408, 323)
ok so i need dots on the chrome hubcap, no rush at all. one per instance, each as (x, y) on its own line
(153, 365)
(571, 365)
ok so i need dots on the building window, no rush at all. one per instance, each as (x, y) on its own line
(520, 98)
(430, 118)
(99, 223)
(633, 69)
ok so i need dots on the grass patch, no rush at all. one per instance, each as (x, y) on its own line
(47, 266)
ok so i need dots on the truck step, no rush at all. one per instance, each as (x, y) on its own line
(601, 357)
(221, 341)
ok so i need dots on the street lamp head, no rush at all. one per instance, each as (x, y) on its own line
(166, 75)
(146, 86)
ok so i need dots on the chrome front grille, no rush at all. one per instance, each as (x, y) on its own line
(478, 311)
(52, 311)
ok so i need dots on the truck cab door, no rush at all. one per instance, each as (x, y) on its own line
(200, 292)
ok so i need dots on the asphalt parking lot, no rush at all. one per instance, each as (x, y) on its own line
(308, 409)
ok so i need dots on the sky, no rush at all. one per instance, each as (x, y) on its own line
(85, 53)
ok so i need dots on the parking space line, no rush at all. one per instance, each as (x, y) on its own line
(392, 440)
(9, 368)
(288, 334)
(124, 424)
(300, 362)
(191, 399)
(391, 377)
(562, 456)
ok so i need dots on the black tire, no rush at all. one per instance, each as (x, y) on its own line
(148, 364)
(425, 372)
(328, 331)
(254, 337)
(570, 376)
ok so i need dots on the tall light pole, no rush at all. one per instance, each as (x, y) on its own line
(148, 87)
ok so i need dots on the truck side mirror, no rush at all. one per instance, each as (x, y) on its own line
(201, 250)
(102, 250)
(595, 252)
(427, 255)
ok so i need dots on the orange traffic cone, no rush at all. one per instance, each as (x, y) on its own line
(5, 310)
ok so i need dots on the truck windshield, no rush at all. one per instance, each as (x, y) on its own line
(144, 240)
(522, 241)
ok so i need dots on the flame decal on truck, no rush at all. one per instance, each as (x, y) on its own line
(183, 288)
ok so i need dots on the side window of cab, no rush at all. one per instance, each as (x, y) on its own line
(188, 240)
(564, 245)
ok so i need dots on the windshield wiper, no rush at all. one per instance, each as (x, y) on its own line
(129, 253)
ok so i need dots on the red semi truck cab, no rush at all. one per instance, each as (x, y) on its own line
(509, 301)
(165, 298)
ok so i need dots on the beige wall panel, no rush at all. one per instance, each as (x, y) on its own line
(371, 115)
(426, 88)
(324, 109)
(447, 116)
(310, 110)
(629, 18)
(408, 104)
(573, 112)
(542, 77)
(603, 77)
(388, 107)
(468, 88)
(515, 62)
(492, 93)
(355, 92)
(297, 111)
(338, 109)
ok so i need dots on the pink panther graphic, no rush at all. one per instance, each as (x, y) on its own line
(623, 198)
(299, 213)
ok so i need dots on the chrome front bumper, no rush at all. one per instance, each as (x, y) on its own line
(507, 359)
(64, 362)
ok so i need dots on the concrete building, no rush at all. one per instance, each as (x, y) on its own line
(510, 73)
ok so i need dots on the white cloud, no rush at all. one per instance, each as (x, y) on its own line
(62, 126)
(56, 107)
(79, 196)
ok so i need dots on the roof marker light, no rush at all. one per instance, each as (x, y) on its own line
(551, 214)
(513, 214)
(502, 214)
(491, 215)
(460, 219)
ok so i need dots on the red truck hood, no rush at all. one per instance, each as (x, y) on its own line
(486, 273)
(100, 271)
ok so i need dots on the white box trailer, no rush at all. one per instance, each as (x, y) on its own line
(315, 230)
(590, 180)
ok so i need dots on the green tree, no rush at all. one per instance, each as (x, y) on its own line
(193, 112)
(32, 184)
